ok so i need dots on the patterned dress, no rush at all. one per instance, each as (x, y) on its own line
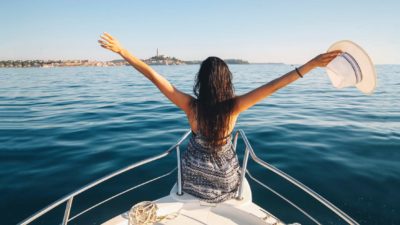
(211, 174)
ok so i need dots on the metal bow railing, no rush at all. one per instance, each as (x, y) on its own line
(249, 151)
(68, 199)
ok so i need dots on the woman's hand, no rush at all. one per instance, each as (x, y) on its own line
(109, 42)
(324, 59)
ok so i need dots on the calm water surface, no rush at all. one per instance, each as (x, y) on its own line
(62, 128)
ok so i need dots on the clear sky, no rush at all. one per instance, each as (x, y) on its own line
(258, 31)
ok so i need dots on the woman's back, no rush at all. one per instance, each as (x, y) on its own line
(192, 119)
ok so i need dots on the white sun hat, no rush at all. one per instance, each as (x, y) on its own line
(353, 67)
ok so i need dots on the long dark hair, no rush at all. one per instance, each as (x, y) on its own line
(215, 99)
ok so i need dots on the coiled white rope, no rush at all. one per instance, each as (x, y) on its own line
(146, 213)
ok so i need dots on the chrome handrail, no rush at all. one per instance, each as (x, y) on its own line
(249, 150)
(283, 197)
(70, 197)
(121, 193)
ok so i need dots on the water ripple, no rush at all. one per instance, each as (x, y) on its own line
(61, 128)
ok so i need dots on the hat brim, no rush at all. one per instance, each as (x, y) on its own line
(368, 83)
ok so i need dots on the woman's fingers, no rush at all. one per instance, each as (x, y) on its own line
(106, 38)
(108, 42)
(328, 59)
(106, 47)
(331, 55)
(325, 58)
(103, 42)
(336, 51)
(108, 35)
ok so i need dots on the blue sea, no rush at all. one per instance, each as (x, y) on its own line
(61, 128)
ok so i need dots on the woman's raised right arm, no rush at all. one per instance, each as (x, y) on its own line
(179, 98)
(249, 99)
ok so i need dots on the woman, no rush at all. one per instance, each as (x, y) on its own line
(210, 168)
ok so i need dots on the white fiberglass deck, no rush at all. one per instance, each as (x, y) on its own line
(187, 209)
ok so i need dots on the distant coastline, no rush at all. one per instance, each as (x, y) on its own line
(155, 60)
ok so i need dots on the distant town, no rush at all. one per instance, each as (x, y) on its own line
(155, 60)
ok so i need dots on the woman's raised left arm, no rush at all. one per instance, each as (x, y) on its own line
(179, 98)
